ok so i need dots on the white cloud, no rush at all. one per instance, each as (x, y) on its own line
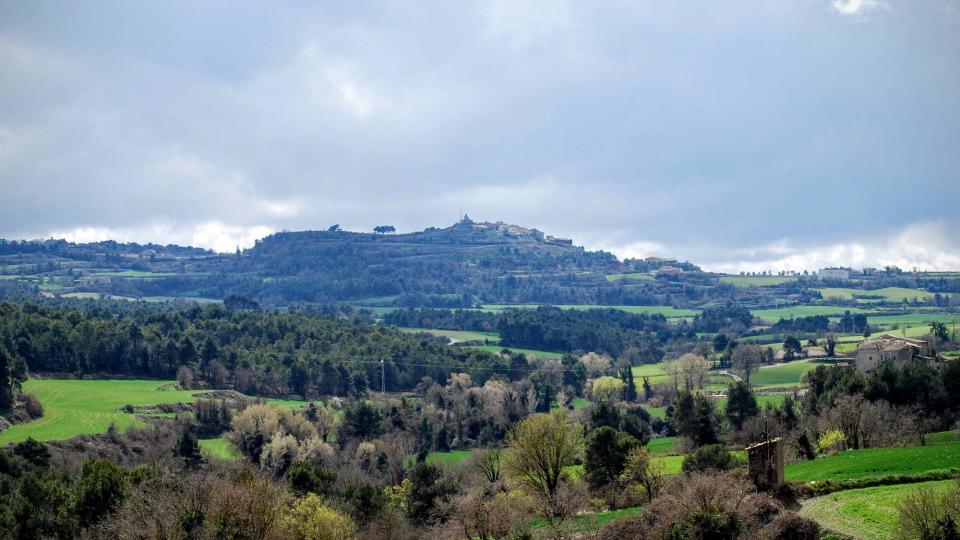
(213, 235)
(930, 246)
(857, 7)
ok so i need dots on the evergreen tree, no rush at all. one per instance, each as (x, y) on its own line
(187, 448)
(630, 388)
(741, 404)
(6, 379)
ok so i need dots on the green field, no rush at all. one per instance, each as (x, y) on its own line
(780, 375)
(76, 407)
(495, 349)
(663, 445)
(757, 281)
(867, 512)
(773, 315)
(889, 294)
(219, 449)
(455, 335)
(877, 463)
(642, 276)
(762, 400)
(136, 274)
(655, 373)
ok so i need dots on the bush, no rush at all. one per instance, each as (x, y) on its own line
(311, 519)
(32, 406)
(928, 514)
(791, 526)
(634, 527)
(713, 457)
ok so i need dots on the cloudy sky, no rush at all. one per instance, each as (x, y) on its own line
(778, 134)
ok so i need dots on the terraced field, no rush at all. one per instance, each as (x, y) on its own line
(757, 281)
(866, 513)
(771, 316)
(889, 294)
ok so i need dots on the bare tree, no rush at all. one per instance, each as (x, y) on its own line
(747, 358)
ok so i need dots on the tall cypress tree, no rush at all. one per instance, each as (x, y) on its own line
(6, 379)
(630, 387)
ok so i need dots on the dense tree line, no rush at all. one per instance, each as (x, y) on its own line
(257, 353)
(812, 325)
(609, 331)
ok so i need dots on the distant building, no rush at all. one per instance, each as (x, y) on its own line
(669, 271)
(559, 241)
(886, 348)
(834, 273)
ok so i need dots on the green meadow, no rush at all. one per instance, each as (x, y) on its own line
(877, 463)
(641, 276)
(780, 375)
(866, 513)
(495, 349)
(219, 448)
(773, 315)
(455, 335)
(889, 294)
(77, 407)
(757, 281)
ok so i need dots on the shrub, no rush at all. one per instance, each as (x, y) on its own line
(791, 526)
(635, 527)
(310, 519)
(32, 406)
(928, 514)
(713, 457)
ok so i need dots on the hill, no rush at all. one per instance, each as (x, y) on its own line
(457, 266)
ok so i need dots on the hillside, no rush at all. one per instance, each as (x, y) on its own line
(456, 266)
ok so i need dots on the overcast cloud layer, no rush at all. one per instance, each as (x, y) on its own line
(792, 134)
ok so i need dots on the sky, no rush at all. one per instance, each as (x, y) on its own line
(742, 136)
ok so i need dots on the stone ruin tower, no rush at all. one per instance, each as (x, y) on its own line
(765, 460)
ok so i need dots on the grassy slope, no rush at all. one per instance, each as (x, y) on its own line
(757, 281)
(219, 448)
(877, 462)
(864, 513)
(773, 315)
(890, 294)
(76, 407)
(787, 374)
(456, 335)
(529, 352)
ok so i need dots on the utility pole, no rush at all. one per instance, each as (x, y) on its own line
(383, 379)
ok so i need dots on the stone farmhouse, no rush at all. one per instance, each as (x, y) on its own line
(874, 351)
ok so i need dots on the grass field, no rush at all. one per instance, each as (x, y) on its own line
(762, 400)
(757, 281)
(877, 462)
(76, 407)
(136, 274)
(773, 315)
(655, 373)
(641, 276)
(219, 448)
(780, 375)
(890, 294)
(455, 335)
(663, 445)
(865, 513)
(495, 349)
